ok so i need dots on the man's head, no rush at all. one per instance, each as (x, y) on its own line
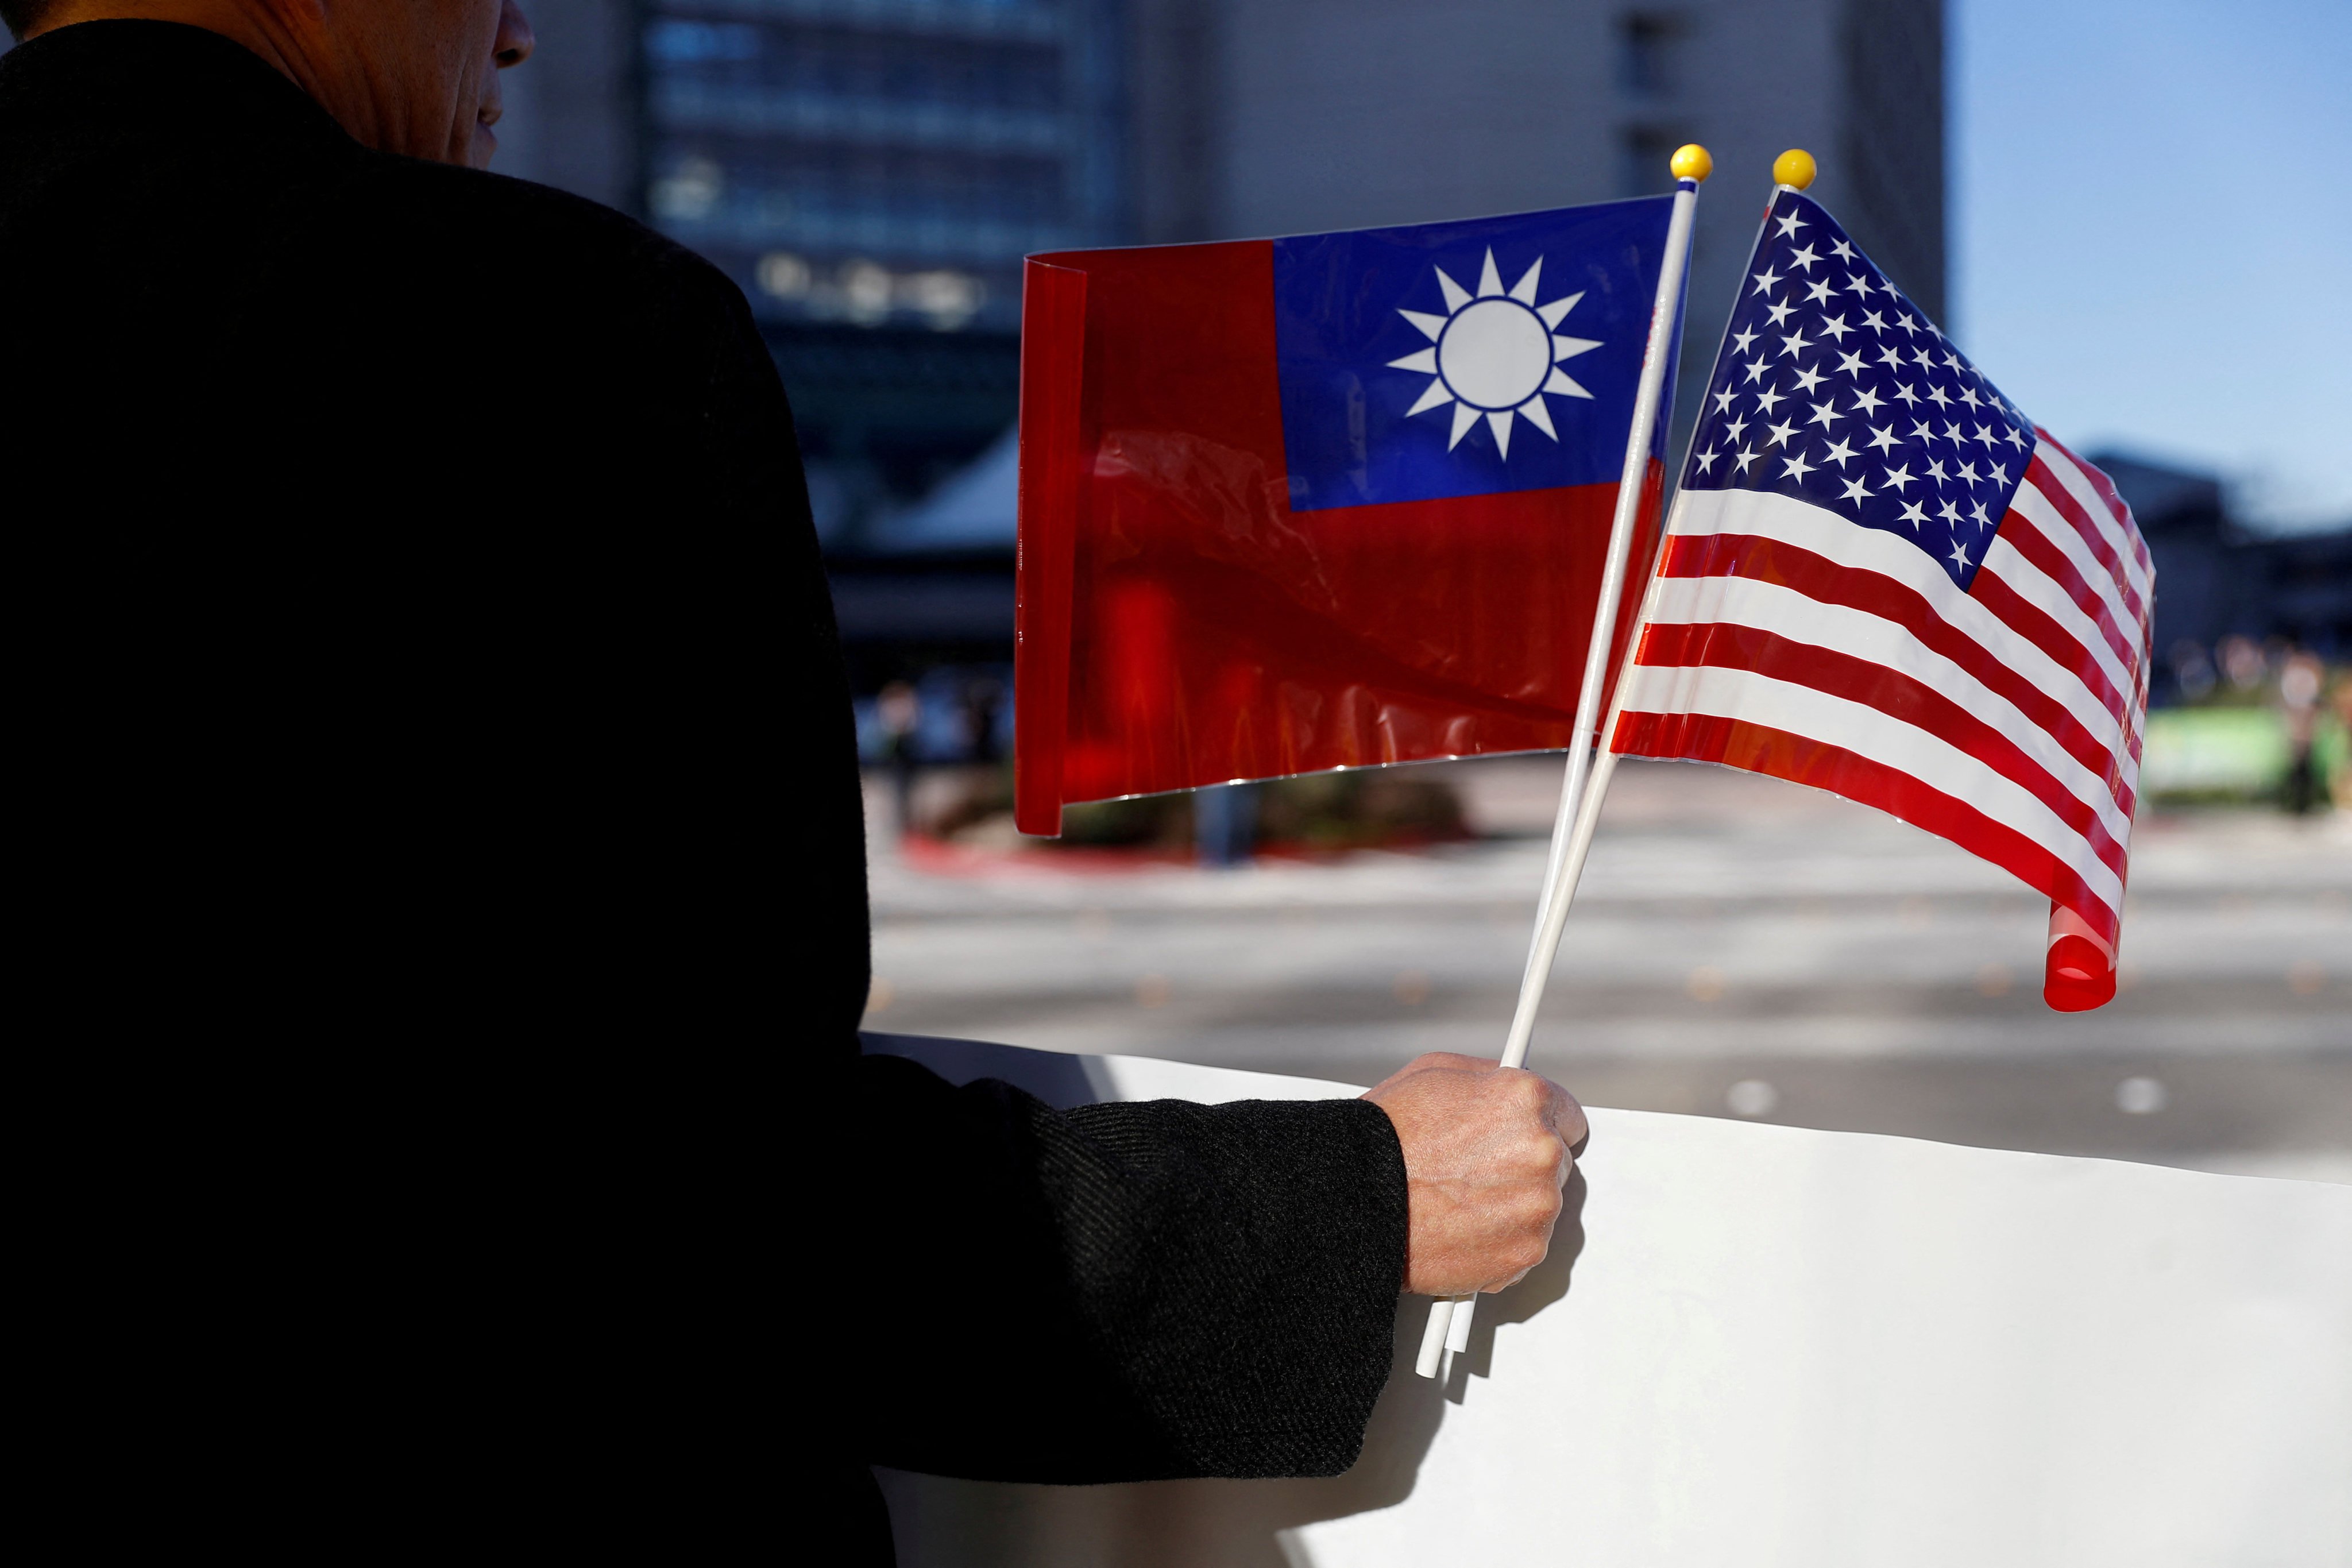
(417, 76)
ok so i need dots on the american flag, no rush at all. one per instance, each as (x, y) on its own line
(1883, 580)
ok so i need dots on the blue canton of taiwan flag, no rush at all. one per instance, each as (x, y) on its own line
(1465, 359)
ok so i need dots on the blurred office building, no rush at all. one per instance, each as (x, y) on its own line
(2219, 581)
(871, 172)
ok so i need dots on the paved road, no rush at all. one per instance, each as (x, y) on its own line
(1738, 946)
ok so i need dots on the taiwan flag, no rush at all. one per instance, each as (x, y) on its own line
(1329, 501)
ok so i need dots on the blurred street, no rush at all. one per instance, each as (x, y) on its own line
(1740, 947)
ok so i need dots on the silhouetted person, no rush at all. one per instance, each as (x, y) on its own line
(441, 840)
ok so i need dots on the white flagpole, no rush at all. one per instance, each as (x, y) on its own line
(1450, 1318)
(1793, 170)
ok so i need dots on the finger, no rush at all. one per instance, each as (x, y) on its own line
(1567, 1116)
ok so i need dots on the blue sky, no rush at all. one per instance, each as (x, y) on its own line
(2152, 242)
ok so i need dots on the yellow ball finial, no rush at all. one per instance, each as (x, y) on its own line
(1691, 163)
(1794, 168)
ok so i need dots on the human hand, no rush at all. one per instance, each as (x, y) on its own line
(1485, 1156)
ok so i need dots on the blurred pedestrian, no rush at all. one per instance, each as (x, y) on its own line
(2301, 679)
(900, 709)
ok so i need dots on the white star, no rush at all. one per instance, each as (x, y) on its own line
(1840, 452)
(1905, 323)
(1891, 357)
(2000, 476)
(1883, 440)
(1705, 462)
(1923, 359)
(1841, 250)
(1796, 468)
(1743, 339)
(1835, 327)
(1779, 314)
(1855, 490)
(1825, 413)
(1949, 512)
(1743, 459)
(1867, 402)
(1755, 369)
(1913, 515)
(1723, 400)
(1969, 396)
(1909, 397)
(2011, 435)
(1789, 224)
(1959, 556)
(1936, 471)
(1780, 434)
(1899, 477)
(1859, 284)
(1978, 511)
(1768, 399)
(1920, 433)
(1874, 321)
(1952, 361)
(1803, 257)
(1952, 434)
(1765, 281)
(1980, 434)
(1818, 292)
(1505, 380)
(1734, 429)
(1849, 365)
(1795, 342)
(1937, 396)
(1807, 379)
(1968, 473)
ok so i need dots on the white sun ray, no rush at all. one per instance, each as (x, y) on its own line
(1496, 355)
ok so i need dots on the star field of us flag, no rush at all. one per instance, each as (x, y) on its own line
(1331, 500)
(1881, 580)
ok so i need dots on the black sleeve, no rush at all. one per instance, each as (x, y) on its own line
(1118, 1292)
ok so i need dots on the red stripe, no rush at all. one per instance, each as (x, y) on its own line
(1725, 645)
(2054, 490)
(2104, 488)
(2035, 546)
(1824, 580)
(1757, 749)
(2030, 622)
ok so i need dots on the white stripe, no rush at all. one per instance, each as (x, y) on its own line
(2123, 541)
(1785, 613)
(2037, 509)
(2037, 588)
(1699, 513)
(1742, 695)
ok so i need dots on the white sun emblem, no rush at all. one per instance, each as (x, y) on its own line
(1496, 355)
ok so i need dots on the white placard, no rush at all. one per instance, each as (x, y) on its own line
(1762, 1345)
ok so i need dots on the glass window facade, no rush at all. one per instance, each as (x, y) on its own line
(883, 162)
